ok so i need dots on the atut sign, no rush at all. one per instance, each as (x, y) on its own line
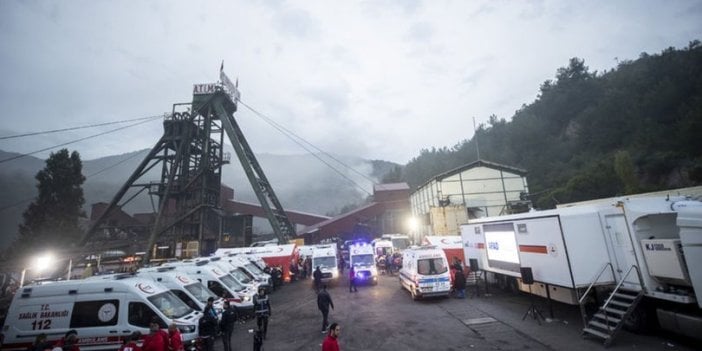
(201, 89)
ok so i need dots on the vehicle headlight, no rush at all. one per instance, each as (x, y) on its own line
(374, 271)
(247, 298)
(186, 328)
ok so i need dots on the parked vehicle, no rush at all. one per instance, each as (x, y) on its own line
(425, 272)
(102, 309)
(640, 258)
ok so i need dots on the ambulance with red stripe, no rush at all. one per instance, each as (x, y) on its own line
(103, 311)
(189, 290)
(425, 272)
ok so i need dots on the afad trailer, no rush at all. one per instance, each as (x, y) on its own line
(639, 259)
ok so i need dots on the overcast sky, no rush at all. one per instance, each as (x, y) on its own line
(374, 79)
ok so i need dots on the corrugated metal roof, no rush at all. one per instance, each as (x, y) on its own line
(474, 164)
(391, 186)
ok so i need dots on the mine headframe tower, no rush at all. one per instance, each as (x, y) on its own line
(191, 156)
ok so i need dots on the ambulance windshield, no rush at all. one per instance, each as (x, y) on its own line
(431, 266)
(241, 275)
(170, 305)
(362, 260)
(324, 262)
(231, 283)
(200, 292)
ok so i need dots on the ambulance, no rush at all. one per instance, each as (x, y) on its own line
(362, 260)
(217, 280)
(189, 290)
(425, 272)
(103, 311)
(260, 278)
(326, 258)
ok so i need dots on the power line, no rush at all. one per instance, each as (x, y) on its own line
(75, 128)
(289, 133)
(78, 140)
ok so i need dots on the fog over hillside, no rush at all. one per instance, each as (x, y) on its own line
(301, 182)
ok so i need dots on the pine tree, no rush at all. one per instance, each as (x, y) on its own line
(52, 220)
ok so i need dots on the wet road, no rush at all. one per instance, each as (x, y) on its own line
(384, 317)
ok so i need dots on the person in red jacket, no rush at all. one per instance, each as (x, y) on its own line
(157, 340)
(130, 342)
(176, 340)
(331, 342)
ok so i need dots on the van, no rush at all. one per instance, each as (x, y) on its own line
(217, 280)
(425, 272)
(325, 257)
(261, 278)
(103, 311)
(189, 290)
(362, 260)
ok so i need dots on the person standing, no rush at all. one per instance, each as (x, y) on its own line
(352, 279)
(155, 340)
(331, 342)
(229, 317)
(130, 342)
(262, 309)
(324, 301)
(69, 342)
(208, 325)
(317, 275)
(459, 284)
(175, 340)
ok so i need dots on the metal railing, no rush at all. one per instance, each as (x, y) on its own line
(619, 285)
(581, 302)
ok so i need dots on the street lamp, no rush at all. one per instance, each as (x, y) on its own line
(40, 263)
(413, 225)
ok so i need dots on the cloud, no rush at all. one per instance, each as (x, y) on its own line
(375, 79)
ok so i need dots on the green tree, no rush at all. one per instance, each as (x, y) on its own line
(52, 219)
(625, 170)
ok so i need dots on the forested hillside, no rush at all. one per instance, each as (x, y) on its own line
(591, 135)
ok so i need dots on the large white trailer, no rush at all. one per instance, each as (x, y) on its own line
(640, 259)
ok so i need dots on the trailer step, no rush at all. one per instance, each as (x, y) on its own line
(605, 317)
(603, 326)
(621, 304)
(625, 296)
(614, 311)
(596, 333)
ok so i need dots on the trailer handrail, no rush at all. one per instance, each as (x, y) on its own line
(638, 275)
(592, 284)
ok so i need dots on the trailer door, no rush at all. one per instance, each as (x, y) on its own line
(624, 257)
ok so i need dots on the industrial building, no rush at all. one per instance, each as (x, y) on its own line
(477, 189)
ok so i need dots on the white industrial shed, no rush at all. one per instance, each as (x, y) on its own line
(477, 189)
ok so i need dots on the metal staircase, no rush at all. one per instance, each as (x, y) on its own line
(609, 319)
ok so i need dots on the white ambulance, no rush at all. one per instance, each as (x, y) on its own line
(189, 290)
(326, 258)
(425, 272)
(362, 260)
(103, 311)
(217, 280)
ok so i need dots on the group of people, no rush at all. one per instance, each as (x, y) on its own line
(301, 269)
(389, 262)
(210, 326)
(324, 303)
(69, 342)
